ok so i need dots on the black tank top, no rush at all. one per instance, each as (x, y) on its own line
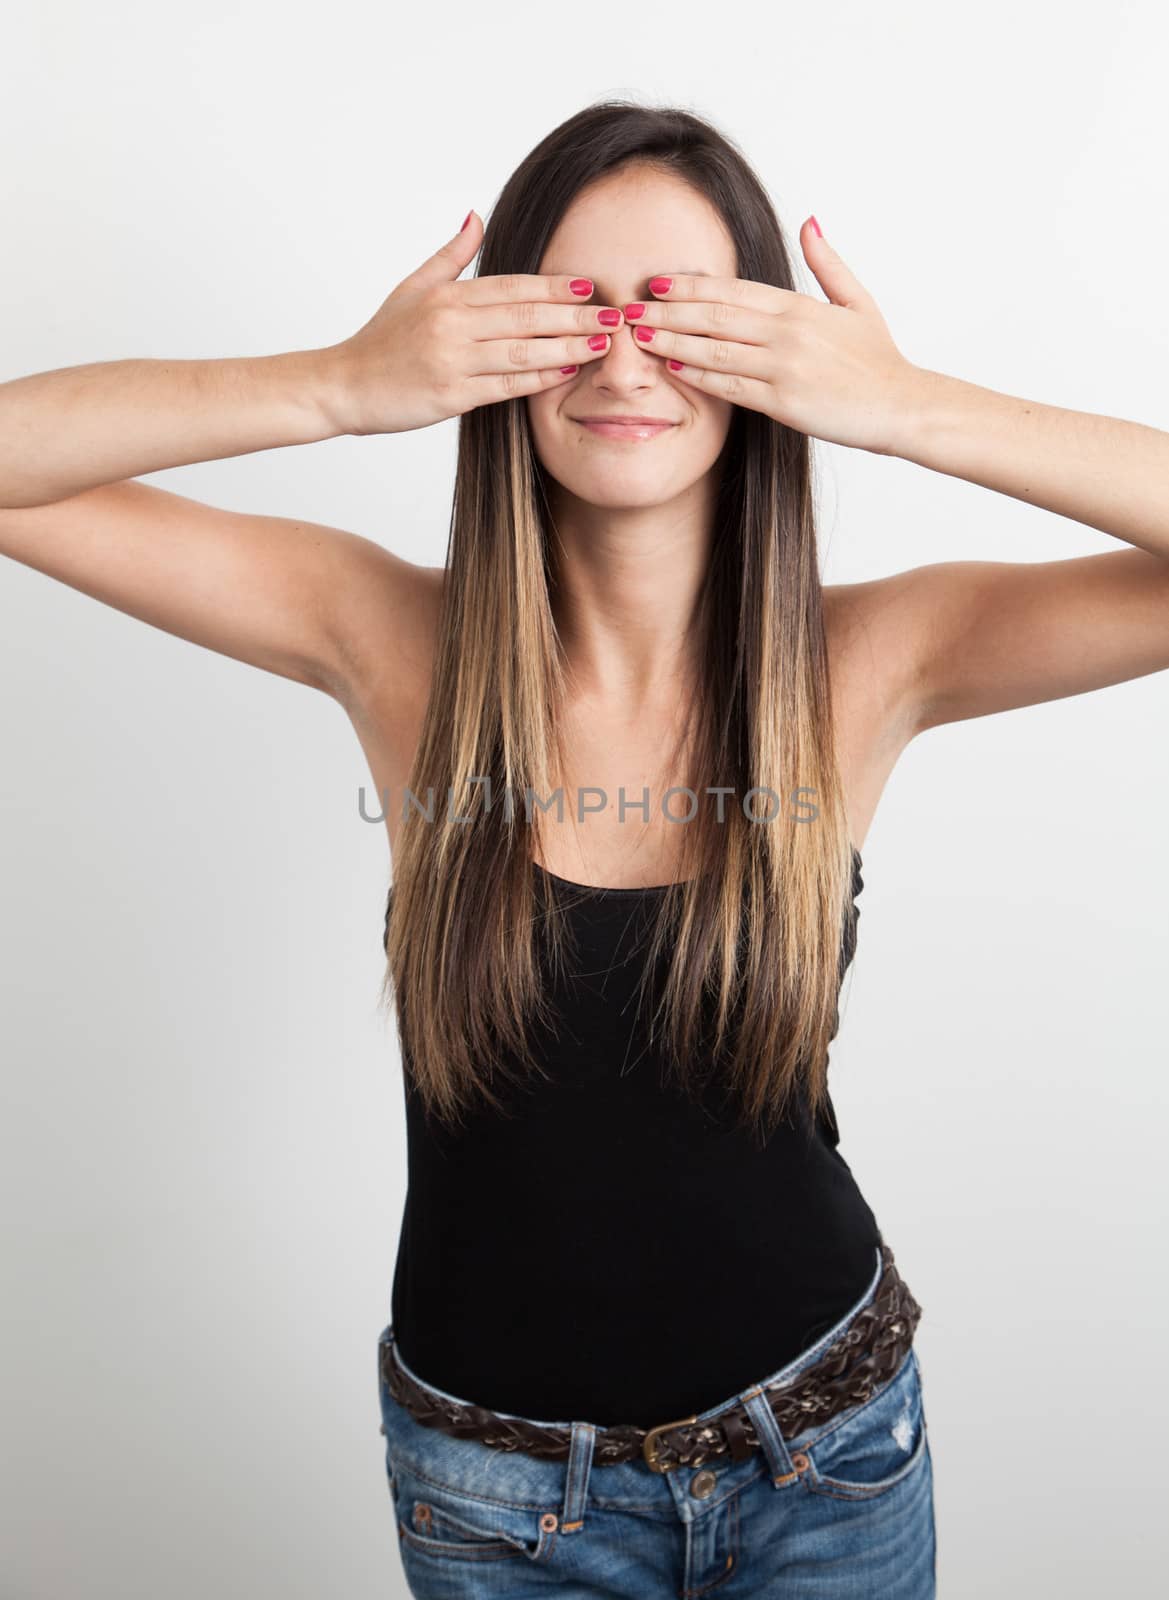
(609, 1252)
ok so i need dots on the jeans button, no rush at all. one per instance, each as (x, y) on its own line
(702, 1484)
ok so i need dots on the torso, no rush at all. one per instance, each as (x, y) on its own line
(871, 731)
(781, 1227)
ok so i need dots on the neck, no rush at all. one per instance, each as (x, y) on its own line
(627, 587)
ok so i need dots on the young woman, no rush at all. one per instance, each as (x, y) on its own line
(647, 1337)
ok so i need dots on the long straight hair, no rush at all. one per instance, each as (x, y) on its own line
(756, 929)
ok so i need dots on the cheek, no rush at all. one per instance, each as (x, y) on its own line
(716, 414)
(542, 414)
(712, 422)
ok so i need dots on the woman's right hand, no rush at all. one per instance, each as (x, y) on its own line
(438, 347)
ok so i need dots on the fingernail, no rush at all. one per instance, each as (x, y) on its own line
(598, 341)
(816, 225)
(660, 285)
(582, 286)
(609, 319)
(644, 334)
(467, 219)
(567, 372)
(634, 310)
(674, 366)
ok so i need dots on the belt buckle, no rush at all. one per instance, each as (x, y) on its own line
(649, 1443)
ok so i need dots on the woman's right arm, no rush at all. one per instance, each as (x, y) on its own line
(77, 428)
(327, 608)
(293, 597)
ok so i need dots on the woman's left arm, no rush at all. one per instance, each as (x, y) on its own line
(1102, 471)
(956, 639)
(993, 635)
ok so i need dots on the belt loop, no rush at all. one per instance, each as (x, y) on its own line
(779, 1461)
(576, 1487)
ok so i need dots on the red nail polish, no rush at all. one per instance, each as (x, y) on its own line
(582, 286)
(816, 225)
(598, 341)
(466, 219)
(634, 310)
(660, 285)
(674, 366)
(609, 319)
(567, 372)
(644, 334)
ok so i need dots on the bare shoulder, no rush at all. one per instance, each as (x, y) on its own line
(874, 637)
(873, 632)
(388, 628)
(952, 640)
(388, 634)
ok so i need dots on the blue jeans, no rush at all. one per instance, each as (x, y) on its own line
(853, 1519)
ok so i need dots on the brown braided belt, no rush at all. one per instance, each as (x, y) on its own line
(849, 1371)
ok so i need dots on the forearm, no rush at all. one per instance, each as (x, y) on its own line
(1110, 474)
(69, 430)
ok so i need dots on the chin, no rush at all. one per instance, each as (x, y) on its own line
(610, 496)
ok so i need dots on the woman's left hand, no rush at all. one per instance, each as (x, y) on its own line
(831, 371)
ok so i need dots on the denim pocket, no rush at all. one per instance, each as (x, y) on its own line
(874, 1446)
(443, 1505)
(434, 1529)
(435, 1520)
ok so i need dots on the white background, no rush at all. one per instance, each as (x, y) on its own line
(201, 1137)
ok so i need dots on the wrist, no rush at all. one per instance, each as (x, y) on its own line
(927, 404)
(289, 398)
(331, 389)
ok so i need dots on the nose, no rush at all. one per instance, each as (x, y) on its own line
(627, 364)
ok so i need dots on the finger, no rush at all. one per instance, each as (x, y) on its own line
(513, 286)
(700, 316)
(720, 356)
(526, 319)
(745, 292)
(490, 388)
(838, 283)
(485, 356)
(449, 259)
(753, 393)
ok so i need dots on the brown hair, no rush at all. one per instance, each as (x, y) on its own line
(756, 925)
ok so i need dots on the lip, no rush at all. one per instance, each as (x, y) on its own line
(625, 427)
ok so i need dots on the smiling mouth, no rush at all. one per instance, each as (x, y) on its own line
(624, 427)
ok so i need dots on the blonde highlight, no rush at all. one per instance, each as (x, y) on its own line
(750, 938)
